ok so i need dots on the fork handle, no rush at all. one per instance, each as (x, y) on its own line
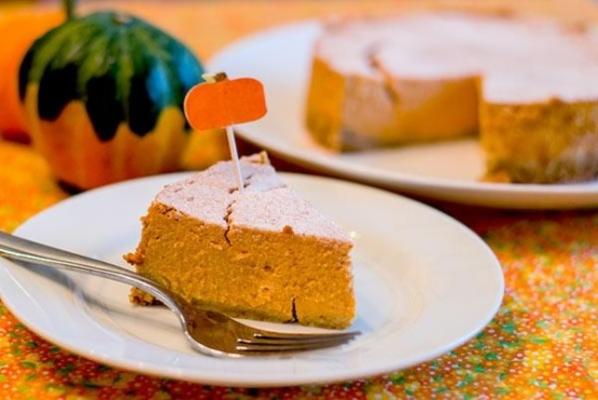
(17, 248)
(23, 247)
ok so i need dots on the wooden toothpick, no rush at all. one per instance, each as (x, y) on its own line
(234, 155)
(230, 134)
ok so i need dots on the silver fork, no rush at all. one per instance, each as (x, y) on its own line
(208, 332)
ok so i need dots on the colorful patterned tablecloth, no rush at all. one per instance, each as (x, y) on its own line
(542, 344)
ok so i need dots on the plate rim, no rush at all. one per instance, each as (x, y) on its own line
(167, 371)
(417, 184)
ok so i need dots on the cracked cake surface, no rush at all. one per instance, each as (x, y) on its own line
(262, 252)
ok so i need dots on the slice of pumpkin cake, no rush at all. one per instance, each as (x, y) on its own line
(260, 253)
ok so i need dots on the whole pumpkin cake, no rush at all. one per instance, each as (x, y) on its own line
(261, 253)
(529, 86)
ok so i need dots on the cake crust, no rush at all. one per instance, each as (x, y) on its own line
(546, 142)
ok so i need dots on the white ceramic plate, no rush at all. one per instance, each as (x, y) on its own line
(424, 285)
(281, 59)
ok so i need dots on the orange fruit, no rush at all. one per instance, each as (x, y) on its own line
(19, 27)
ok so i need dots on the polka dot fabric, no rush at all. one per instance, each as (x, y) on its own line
(542, 344)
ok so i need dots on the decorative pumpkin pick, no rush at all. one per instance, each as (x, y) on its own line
(221, 103)
(103, 94)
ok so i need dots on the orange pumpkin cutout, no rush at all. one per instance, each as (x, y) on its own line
(225, 103)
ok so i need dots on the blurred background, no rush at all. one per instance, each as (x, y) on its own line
(83, 148)
(204, 27)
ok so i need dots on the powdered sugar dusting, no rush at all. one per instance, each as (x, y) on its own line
(207, 203)
(520, 59)
(207, 194)
(279, 210)
(266, 203)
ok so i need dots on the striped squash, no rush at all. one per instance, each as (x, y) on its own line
(103, 96)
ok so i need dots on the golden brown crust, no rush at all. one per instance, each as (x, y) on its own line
(141, 298)
(135, 258)
(547, 142)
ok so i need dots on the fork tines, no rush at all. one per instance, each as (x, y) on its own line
(273, 341)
